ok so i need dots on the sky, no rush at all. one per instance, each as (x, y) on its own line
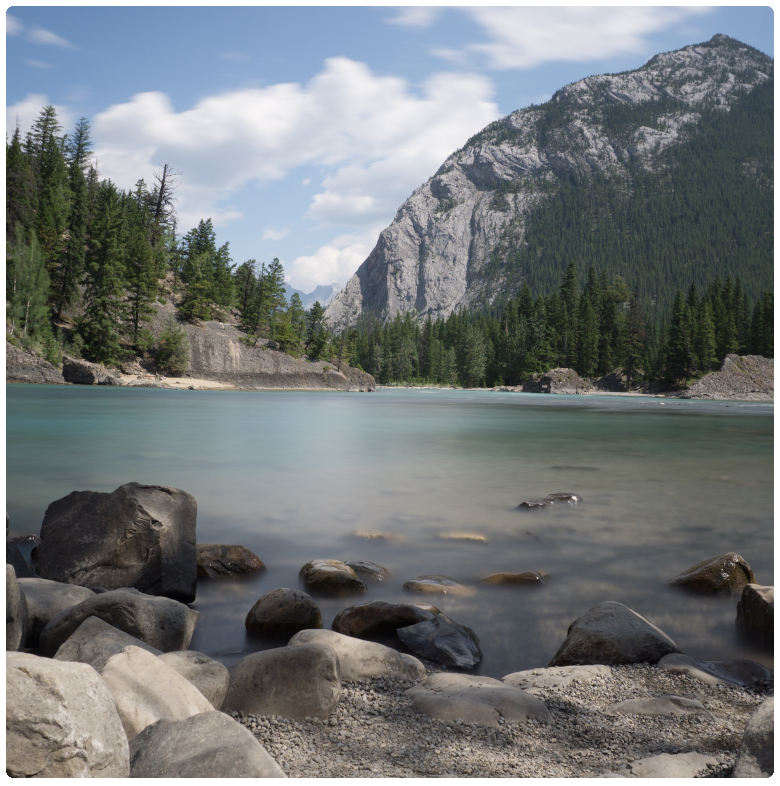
(301, 130)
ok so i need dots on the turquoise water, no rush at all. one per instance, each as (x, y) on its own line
(293, 475)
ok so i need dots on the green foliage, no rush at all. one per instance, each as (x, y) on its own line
(171, 352)
(316, 333)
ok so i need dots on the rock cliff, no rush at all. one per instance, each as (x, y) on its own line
(21, 366)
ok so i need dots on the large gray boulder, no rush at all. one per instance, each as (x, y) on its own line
(756, 614)
(15, 611)
(362, 660)
(136, 536)
(146, 690)
(611, 633)
(207, 745)
(209, 676)
(294, 682)
(61, 721)
(757, 753)
(21, 366)
(83, 372)
(45, 600)
(442, 640)
(557, 677)
(726, 574)
(217, 560)
(482, 700)
(330, 577)
(162, 622)
(283, 612)
(95, 642)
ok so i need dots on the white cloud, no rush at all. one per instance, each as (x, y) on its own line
(13, 26)
(38, 64)
(275, 234)
(414, 16)
(39, 35)
(524, 37)
(24, 113)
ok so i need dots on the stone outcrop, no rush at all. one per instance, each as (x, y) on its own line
(82, 372)
(136, 536)
(756, 614)
(217, 560)
(558, 380)
(746, 378)
(283, 612)
(21, 366)
(726, 574)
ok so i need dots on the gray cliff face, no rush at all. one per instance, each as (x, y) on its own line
(432, 258)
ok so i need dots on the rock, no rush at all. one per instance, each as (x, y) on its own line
(557, 677)
(330, 577)
(658, 705)
(746, 378)
(147, 690)
(614, 382)
(671, 765)
(207, 745)
(480, 700)
(15, 611)
(756, 754)
(216, 561)
(136, 536)
(728, 573)
(95, 642)
(45, 600)
(379, 618)
(283, 612)
(389, 537)
(558, 380)
(82, 372)
(209, 676)
(438, 585)
(362, 660)
(294, 682)
(756, 614)
(61, 721)
(21, 366)
(369, 571)
(162, 622)
(611, 633)
(14, 556)
(745, 673)
(528, 578)
(464, 537)
(556, 498)
(443, 641)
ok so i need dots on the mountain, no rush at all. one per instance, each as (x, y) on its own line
(324, 293)
(663, 175)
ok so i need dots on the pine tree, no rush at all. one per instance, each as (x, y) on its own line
(27, 288)
(20, 189)
(316, 332)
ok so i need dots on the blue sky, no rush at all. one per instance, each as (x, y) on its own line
(301, 130)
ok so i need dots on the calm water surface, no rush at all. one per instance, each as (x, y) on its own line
(292, 476)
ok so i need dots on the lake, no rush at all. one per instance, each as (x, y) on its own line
(293, 475)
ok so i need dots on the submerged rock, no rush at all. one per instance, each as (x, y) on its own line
(557, 498)
(528, 578)
(379, 618)
(442, 640)
(330, 577)
(728, 573)
(216, 561)
(283, 612)
(369, 571)
(438, 585)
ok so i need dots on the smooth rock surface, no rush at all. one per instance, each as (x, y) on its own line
(726, 574)
(369, 571)
(745, 673)
(432, 584)
(294, 682)
(378, 618)
(330, 577)
(756, 614)
(209, 676)
(671, 765)
(658, 705)
(557, 677)
(46, 599)
(360, 660)
(21, 366)
(61, 721)
(15, 611)
(443, 641)
(528, 578)
(757, 754)
(283, 612)
(136, 536)
(14, 556)
(147, 690)
(216, 561)
(207, 745)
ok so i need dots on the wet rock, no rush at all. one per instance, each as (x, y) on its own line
(756, 614)
(362, 660)
(294, 682)
(438, 585)
(379, 618)
(757, 754)
(443, 641)
(389, 537)
(330, 577)
(216, 561)
(283, 612)
(162, 622)
(557, 498)
(146, 690)
(745, 673)
(136, 536)
(658, 705)
(209, 676)
(369, 571)
(481, 700)
(15, 611)
(528, 578)
(61, 721)
(464, 537)
(207, 745)
(728, 574)
(45, 600)
(82, 372)
(558, 677)
(611, 633)
(671, 765)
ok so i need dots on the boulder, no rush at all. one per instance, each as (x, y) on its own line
(82, 372)
(61, 721)
(727, 574)
(207, 745)
(658, 705)
(557, 677)
(611, 633)
(528, 578)
(146, 690)
(614, 382)
(369, 571)
(756, 614)
(209, 676)
(464, 537)
(162, 622)
(14, 556)
(556, 498)
(282, 612)
(379, 618)
(45, 600)
(331, 577)
(557, 380)
(21, 366)
(442, 641)
(15, 611)
(756, 757)
(671, 765)
(136, 536)
(745, 673)
(481, 700)
(363, 660)
(95, 642)
(294, 682)
(217, 561)
(432, 584)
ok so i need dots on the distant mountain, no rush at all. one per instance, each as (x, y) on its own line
(324, 293)
(663, 175)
